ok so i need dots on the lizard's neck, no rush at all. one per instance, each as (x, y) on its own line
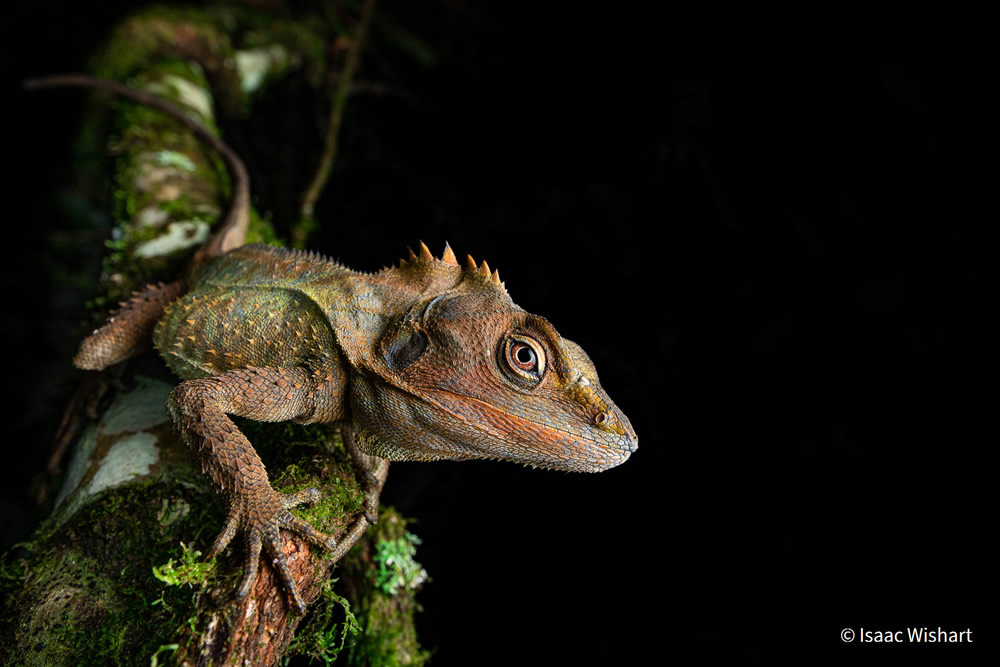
(361, 307)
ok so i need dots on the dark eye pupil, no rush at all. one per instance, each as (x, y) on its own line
(525, 359)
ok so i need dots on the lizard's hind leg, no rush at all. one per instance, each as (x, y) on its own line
(129, 330)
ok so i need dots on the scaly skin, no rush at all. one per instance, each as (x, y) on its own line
(427, 360)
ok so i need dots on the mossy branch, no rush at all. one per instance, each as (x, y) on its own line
(107, 580)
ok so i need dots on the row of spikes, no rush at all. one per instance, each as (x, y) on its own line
(448, 257)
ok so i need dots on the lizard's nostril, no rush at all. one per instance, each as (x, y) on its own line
(601, 419)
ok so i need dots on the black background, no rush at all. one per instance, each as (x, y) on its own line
(762, 228)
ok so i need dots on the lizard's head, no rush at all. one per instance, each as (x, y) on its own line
(469, 374)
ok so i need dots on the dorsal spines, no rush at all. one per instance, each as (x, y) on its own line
(424, 259)
(482, 273)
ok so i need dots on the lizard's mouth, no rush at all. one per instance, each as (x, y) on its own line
(586, 447)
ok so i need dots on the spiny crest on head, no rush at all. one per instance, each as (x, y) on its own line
(427, 256)
(481, 272)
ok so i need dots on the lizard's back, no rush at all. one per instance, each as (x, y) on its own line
(248, 308)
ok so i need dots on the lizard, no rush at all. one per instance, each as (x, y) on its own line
(426, 360)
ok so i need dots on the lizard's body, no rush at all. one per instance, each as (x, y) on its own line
(426, 360)
(266, 307)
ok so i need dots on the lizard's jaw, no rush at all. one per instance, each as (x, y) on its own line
(560, 440)
(445, 424)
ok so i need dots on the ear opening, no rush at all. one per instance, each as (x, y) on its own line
(405, 347)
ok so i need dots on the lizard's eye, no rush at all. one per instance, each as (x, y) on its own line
(525, 357)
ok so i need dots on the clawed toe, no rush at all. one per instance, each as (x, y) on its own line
(226, 535)
(279, 561)
(308, 496)
(265, 534)
(251, 562)
(297, 525)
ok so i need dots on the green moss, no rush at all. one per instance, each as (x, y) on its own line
(184, 208)
(389, 635)
(261, 230)
(325, 632)
(93, 595)
(292, 449)
(397, 567)
(13, 569)
(142, 38)
(154, 661)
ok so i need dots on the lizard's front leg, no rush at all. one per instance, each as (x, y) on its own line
(200, 409)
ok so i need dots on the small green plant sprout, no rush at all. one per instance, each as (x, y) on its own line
(396, 565)
(189, 570)
(154, 661)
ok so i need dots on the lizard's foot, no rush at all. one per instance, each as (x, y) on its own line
(260, 521)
